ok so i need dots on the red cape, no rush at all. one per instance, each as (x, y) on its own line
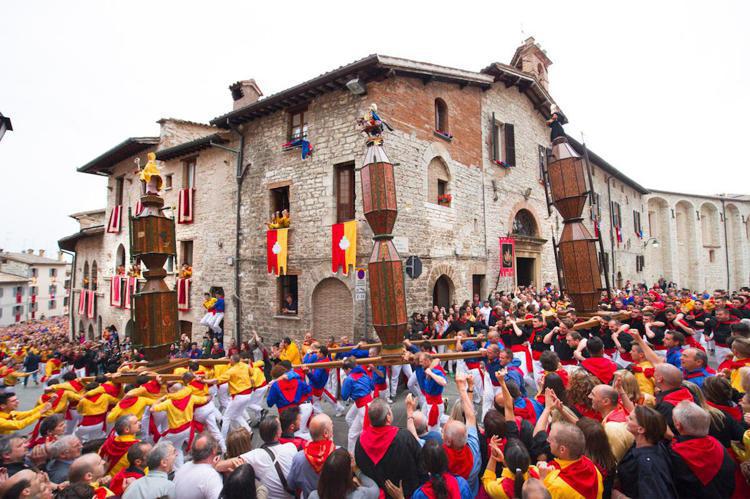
(112, 450)
(450, 483)
(704, 456)
(461, 461)
(581, 476)
(678, 396)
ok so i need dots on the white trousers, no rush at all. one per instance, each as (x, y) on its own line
(207, 320)
(476, 376)
(327, 397)
(413, 386)
(80, 373)
(235, 414)
(355, 418)
(305, 413)
(178, 440)
(396, 376)
(72, 423)
(206, 415)
(721, 353)
(215, 324)
(89, 433)
(224, 397)
(256, 399)
(488, 394)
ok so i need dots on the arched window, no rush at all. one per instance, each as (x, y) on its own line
(441, 117)
(120, 267)
(524, 224)
(94, 276)
(86, 280)
(438, 178)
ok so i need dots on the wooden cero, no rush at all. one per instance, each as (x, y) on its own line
(152, 241)
(577, 247)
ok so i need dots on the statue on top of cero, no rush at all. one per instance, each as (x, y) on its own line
(373, 126)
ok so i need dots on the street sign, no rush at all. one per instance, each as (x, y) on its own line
(413, 267)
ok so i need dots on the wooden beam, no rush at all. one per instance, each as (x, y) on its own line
(382, 360)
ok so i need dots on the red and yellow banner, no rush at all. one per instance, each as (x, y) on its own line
(343, 246)
(276, 250)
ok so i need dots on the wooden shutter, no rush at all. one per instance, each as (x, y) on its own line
(344, 193)
(542, 161)
(494, 146)
(510, 145)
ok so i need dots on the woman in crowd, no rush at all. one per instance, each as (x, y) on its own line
(337, 480)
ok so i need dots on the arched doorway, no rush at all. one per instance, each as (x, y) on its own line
(528, 248)
(99, 326)
(90, 334)
(333, 309)
(129, 326)
(80, 327)
(659, 259)
(736, 242)
(442, 292)
(687, 261)
(86, 281)
(94, 276)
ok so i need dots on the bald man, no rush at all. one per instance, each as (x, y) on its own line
(668, 380)
(604, 400)
(305, 470)
(89, 469)
(26, 484)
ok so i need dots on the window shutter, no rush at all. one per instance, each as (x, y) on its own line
(510, 145)
(542, 161)
(494, 151)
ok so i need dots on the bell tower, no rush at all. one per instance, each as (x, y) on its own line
(531, 58)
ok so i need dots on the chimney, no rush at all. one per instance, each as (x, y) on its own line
(60, 255)
(41, 252)
(244, 93)
(29, 251)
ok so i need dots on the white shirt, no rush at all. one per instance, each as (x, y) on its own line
(197, 481)
(265, 471)
(486, 311)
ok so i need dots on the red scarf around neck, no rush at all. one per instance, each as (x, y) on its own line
(460, 462)
(678, 396)
(704, 456)
(375, 441)
(317, 452)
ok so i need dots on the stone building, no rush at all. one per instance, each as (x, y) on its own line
(469, 149)
(33, 286)
(100, 252)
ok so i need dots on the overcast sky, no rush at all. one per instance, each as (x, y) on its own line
(659, 88)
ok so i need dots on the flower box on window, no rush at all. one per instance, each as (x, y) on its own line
(445, 199)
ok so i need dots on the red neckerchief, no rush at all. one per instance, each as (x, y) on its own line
(587, 412)
(734, 411)
(602, 368)
(647, 371)
(734, 364)
(182, 403)
(460, 462)
(127, 402)
(677, 396)
(375, 441)
(317, 452)
(581, 476)
(153, 387)
(450, 483)
(704, 456)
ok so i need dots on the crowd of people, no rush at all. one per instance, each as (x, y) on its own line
(646, 399)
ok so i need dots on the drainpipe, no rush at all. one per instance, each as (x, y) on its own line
(71, 304)
(611, 228)
(726, 239)
(240, 171)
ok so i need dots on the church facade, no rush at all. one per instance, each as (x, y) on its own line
(469, 150)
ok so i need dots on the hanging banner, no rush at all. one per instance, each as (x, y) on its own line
(507, 256)
(343, 246)
(276, 250)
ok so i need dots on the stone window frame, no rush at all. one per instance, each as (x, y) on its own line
(442, 120)
(272, 202)
(119, 189)
(341, 213)
(293, 277)
(434, 178)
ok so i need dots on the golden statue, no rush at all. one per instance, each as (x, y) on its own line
(151, 175)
